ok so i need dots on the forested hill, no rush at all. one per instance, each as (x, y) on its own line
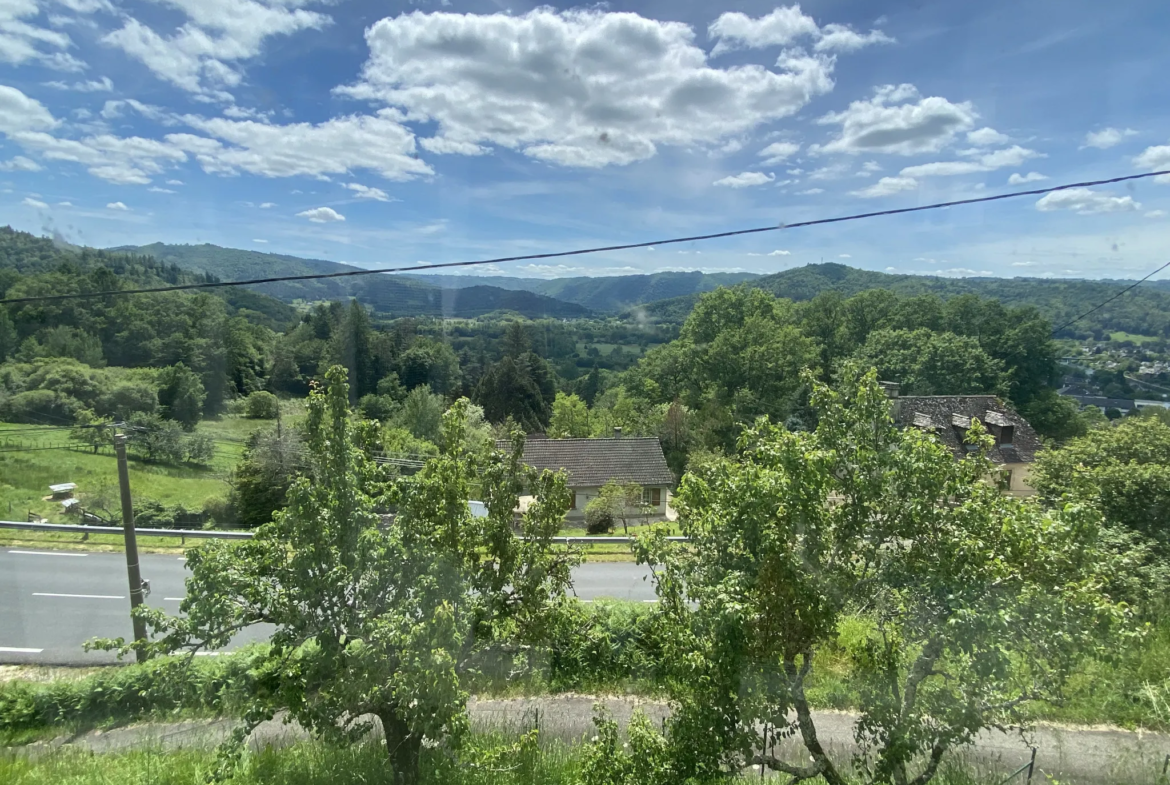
(390, 295)
(602, 293)
(1144, 311)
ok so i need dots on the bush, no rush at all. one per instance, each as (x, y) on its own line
(261, 406)
(45, 407)
(151, 514)
(378, 407)
(603, 645)
(598, 517)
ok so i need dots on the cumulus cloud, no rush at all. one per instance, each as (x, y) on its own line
(780, 253)
(1106, 138)
(784, 26)
(811, 192)
(1155, 159)
(887, 186)
(1030, 177)
(898, 121)
(20, 164)
(321, 215)
(117, 206)
(613, 86)
(202, 55)
(1085, 202)
(22, 41)
(1156, 214)
(366, 192)
(154, 189)
(984, 162)
(267, 205)
(777, 152)
(19, 112)
(986, 137)
(37, 203)
(844, 256)
(746, 179)
(174, 182)
(103, 85)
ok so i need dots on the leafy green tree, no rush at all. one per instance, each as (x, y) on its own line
(521, 388)
(515, 341)
(430, 363)
(268, 468)
(127, 397)
(422, 414)
(570, 418)
(92, 431)
(378, 407)
(8, 337)
(1123, 469)
(262, 405)
(927, 363)
(379, 621)
(152, 438)
(181, 395)
(590, 387)
(955, 604)
(621, 501)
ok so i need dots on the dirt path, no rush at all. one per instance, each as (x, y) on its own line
(1090, 756)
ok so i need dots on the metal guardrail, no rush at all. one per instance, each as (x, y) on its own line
(219, 534)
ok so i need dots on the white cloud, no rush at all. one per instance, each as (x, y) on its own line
(746, 179)
(894, 122)
(377, 142)
(986, 137)
(22, 41)
(242, 113)
(776, 152)
(64, 204)
(1023, 264)
(20, 164)
(887, 186)
(811, 192)
(28, 201)
(366, 192)
(780, 253)
(831, 172)
(784, 26)
(267, 205)
(174, 182)
(1106, 138)
(1030, 177)
(1156, 214)
(613, 86)
(1085, 202)
(1155, 159)
(117, 206)
(870, 167)
(844, 256)
(103, 85)
(986, 162)
(121, 160)
(321, 215)
(201, 55)
(154, 189)
(259, 241)
(18, 112)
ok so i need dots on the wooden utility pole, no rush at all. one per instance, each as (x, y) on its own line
(132, 569)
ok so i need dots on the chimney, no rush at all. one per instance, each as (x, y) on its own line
(893, 391)
(617, 432)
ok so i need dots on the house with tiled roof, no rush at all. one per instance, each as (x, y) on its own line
(591, 463)
(949, 417)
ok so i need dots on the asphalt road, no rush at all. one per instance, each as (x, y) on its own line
(51, 602)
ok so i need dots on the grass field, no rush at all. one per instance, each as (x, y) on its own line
(1138, 339)
(30, 461)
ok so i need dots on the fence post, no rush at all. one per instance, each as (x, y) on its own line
(1031, 766)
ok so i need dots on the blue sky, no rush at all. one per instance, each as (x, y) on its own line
(387, 133)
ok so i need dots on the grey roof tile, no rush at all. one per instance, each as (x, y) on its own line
(947, 416)
(594, 462)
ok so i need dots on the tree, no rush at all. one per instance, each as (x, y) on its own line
(8, 337)
(570, 418)
(621, 501)
(515, 341)
(92, 431)
(928, 363)
(430, 363)
(181, 395)
(1123, 469)
(262, 405)
(422, 414)
(955, 604)
(521, 388)
(261, 480)
(378, 621)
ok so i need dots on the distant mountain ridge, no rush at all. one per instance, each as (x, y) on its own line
(1143, 311)
(601, 293)
(391, 295)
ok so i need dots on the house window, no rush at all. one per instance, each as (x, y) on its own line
(1006, 434)
(573, 506)
(652, 496)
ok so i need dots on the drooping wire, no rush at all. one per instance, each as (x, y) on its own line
(585, 251)
(1103, 303)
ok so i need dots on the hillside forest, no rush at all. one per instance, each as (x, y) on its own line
(165, 363)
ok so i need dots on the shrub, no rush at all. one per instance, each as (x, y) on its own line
(378, 407)
(40, 406)
(598, 517)
(261, 405)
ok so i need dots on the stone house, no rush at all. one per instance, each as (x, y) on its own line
(949, 416)
(591, 463)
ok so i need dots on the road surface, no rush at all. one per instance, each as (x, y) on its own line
(51, 602)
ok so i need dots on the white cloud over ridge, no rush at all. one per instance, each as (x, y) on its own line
(1086, 202)
(321, 215)
(746, 180)
(613, 88)
(897, 121)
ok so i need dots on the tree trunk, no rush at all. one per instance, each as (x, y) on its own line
(402, 746)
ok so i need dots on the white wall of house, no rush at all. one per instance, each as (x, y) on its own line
(585, 494)
(1019, 485)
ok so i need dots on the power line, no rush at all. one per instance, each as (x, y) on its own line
(584, 251)
(1111, 299)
